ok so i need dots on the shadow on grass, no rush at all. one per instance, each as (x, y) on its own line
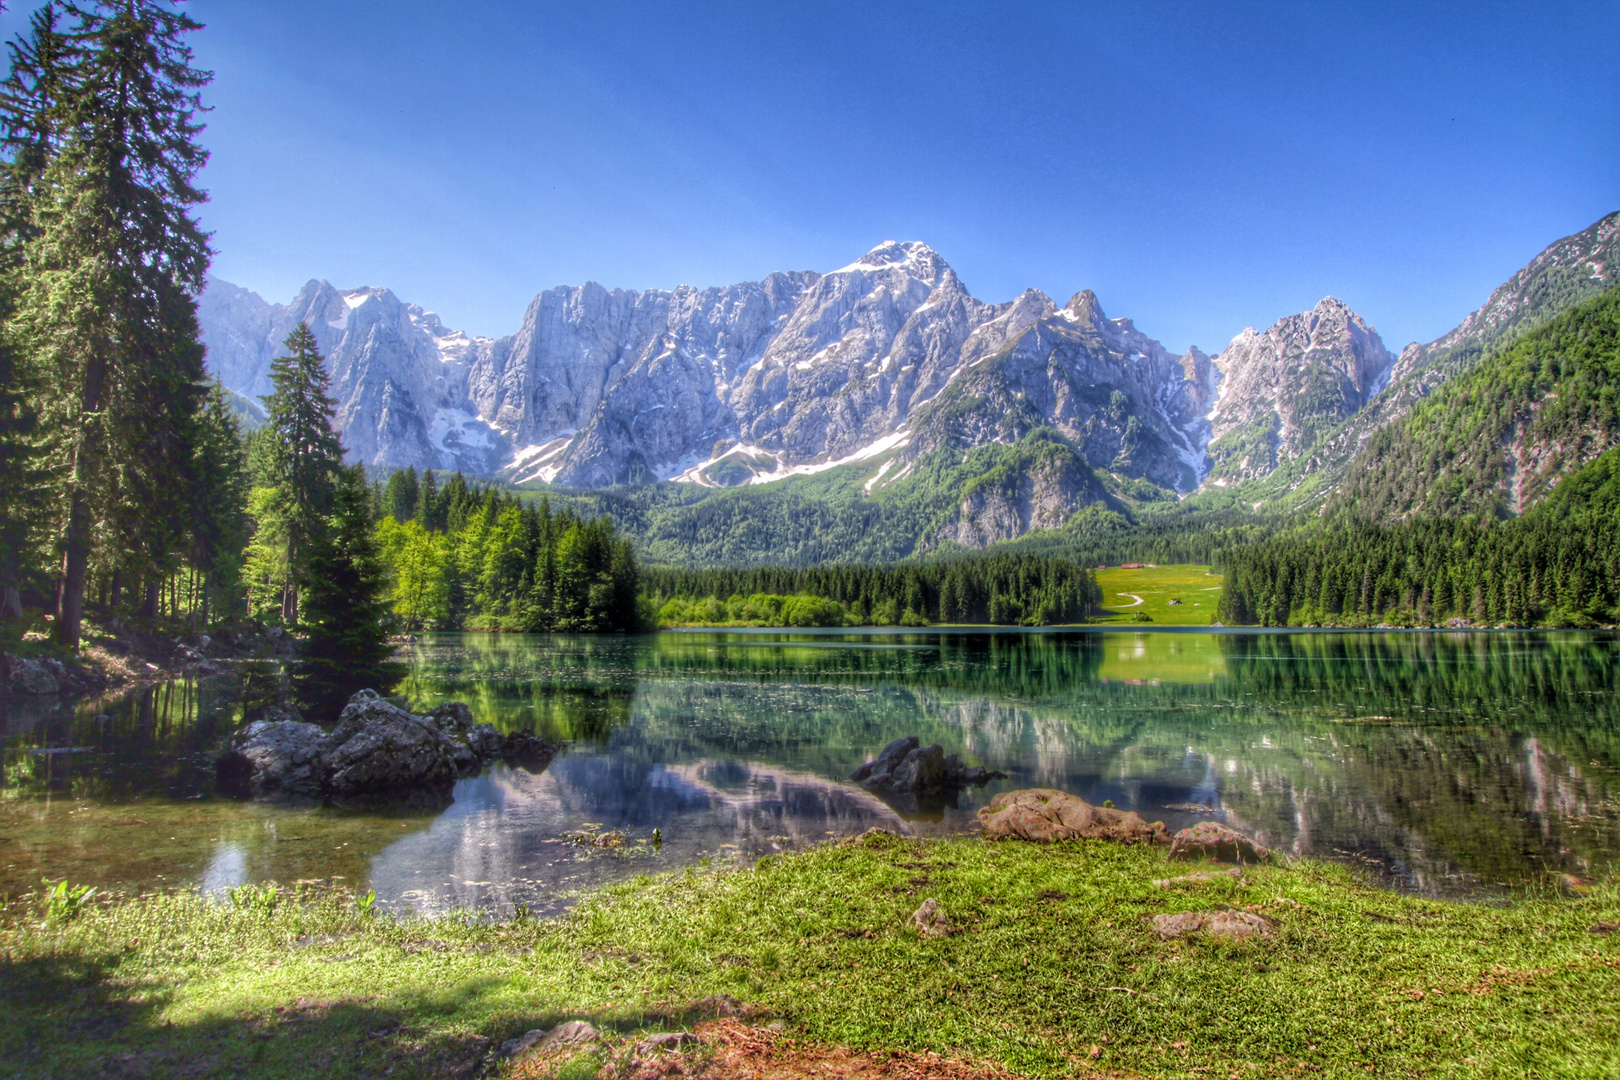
(77, 1017)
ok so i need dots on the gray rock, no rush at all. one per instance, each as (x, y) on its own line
(1044, 815)
(569, 1037)
(716, 1005)
(1225, 925)
(26, 676)
(1212, 840)
(904, 767)
(666, 1042)
(378, 746)
(452, 717)
(485, 741)
(929, 920)
(275, 757)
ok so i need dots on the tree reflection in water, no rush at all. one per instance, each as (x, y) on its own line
(1445, 763)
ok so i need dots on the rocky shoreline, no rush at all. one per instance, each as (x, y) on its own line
(377, 750)
(119, 657)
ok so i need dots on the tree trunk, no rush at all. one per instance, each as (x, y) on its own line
(75, 557)
(10, 594)
(153, 607)
(117, 590)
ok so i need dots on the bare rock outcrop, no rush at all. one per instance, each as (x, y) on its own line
(1044, 815)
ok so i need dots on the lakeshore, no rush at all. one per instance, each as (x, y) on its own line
(1054, 969)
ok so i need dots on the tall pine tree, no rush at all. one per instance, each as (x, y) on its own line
(305, 457)
(112, 262)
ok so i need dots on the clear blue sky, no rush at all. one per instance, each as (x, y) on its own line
(1201, 167)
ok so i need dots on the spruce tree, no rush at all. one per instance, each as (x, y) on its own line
(427, 501)
(101, 117)
(305, 457)
(218, 498)
(345, 611)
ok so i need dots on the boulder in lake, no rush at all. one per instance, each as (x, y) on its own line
(376, 749)
(275, 757)
(377, 746)
(1044, 815)
(906, 767)
(1212, 840)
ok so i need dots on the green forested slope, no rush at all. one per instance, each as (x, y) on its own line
(1558, 565)
(1494, 441)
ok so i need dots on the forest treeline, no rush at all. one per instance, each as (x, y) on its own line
(470, 556)
(1423, 534)
(1558, 565)
(1000, 588)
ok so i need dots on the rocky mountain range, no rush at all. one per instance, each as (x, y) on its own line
(884, 364)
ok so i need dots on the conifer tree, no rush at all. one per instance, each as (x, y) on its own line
(305, 457)
(218, 503)
(344, 609)
(112, 263)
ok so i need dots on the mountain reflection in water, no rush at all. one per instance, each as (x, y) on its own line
(1449, 764)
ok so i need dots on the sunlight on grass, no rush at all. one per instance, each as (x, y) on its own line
(1197, 589)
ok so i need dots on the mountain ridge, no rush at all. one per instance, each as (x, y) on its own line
(888, 370)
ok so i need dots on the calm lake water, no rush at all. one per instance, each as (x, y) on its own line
(1444, 764)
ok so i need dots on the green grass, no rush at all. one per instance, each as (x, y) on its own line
(1196, 587)
(1056, 955)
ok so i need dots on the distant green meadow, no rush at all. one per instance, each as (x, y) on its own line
(1197, 589)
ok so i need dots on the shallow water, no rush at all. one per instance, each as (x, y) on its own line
(1444, 764)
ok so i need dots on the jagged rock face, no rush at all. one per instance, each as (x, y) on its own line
(802, 371)
(1125, 403)
(398, 375)
(1042, 495)
(642, 379)
(795, 373)
(1283, 390)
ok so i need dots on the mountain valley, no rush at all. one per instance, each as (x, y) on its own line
(882, 393)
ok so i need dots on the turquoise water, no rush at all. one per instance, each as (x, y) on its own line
(1444, 764)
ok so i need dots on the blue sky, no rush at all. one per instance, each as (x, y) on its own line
(1201, 167)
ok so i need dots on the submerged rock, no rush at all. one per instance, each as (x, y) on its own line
(1212, 840)
(1044, 815)
(905, 767)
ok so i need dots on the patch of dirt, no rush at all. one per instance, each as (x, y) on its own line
(729, 1049)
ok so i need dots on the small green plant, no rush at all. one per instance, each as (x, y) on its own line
(260, 900)
(364, 902)
(1108, 804)
(520, 912)
(63, 902)
(658, 838)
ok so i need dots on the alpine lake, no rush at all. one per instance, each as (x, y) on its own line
(1472, 765)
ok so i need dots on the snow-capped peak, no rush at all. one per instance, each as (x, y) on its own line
(913, 256)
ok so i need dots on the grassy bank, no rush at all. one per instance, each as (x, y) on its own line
(1056, 972)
